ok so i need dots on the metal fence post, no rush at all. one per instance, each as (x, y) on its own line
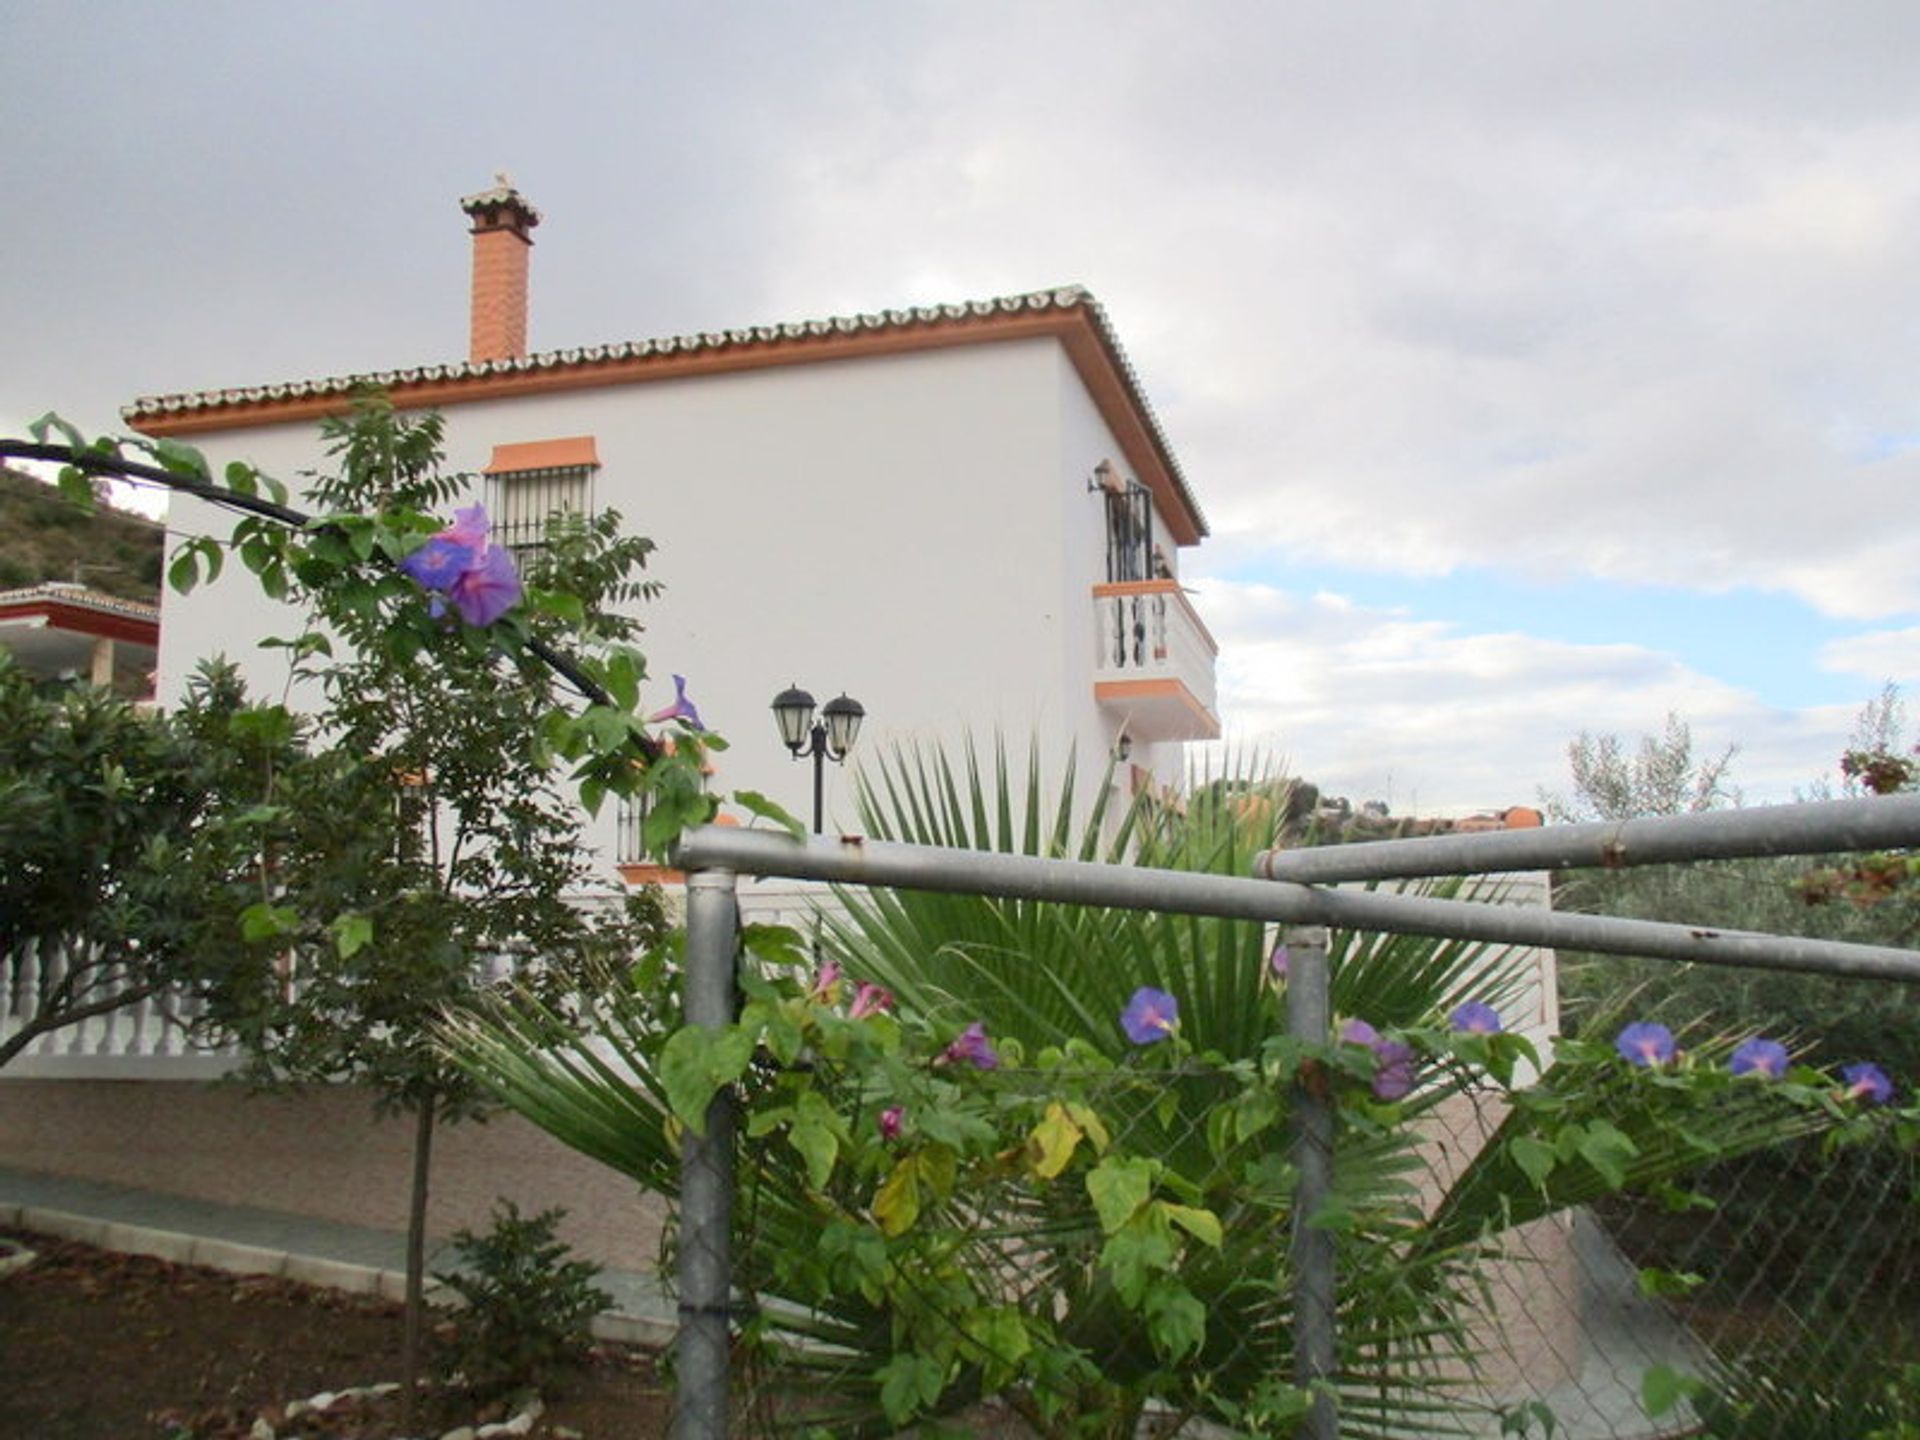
(701, 1348)
(1310, 1019)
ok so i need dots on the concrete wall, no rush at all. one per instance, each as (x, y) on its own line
(321, 1153)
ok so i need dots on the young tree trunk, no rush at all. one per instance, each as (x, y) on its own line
(416, 1263)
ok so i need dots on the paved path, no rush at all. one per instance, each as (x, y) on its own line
(251, 1241)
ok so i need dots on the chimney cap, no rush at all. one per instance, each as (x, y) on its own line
(502, 207)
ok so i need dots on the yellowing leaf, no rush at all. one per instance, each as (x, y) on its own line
(1203, 1225)
(1053, 1141)
(1090, 1125)
(896, 1205)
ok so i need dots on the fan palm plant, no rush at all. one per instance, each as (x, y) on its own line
(1098, 1224)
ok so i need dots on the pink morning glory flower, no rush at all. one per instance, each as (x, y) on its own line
(1759, 1056)
(891, 1120)
(870, 999)
(1278, 963)
(1475, 1017)
(826, 982)
(1867, 1081)
(682, 709)
(1150, 1015)
(973, 1048)
(1645, 1043)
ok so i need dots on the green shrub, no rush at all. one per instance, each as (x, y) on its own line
(528, 1307)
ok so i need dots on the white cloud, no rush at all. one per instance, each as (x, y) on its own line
(1878, 656)
(1377, 705)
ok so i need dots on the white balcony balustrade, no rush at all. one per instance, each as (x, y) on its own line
(1154, 661)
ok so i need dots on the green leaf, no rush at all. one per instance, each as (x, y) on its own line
(50, 423)
(909, 1383)
(76, 487)
(1663, 1387)
(1202, 1225)
(351, 934)
(1119, 1187)
(1608, 1151)
(184, 573)
(695, 1063)
(1535, 1157)
(266, 922)
(758, 805)
(819, 1147)
(180, 458)
(1656, 1284)
(1176, 1320)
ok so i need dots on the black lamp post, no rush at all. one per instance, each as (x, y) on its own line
(828, 738)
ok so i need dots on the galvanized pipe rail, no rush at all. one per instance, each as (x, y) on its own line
(854, 861)
(1824, 827)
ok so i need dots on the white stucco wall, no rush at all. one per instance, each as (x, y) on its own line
(913, 529)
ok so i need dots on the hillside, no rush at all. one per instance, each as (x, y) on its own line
(43, 537)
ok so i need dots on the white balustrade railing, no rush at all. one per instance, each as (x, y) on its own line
(145, 1040)
(1148, 630)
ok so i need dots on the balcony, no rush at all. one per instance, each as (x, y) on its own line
(1153, 666)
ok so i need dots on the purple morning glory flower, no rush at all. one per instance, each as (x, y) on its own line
(1359, 1032)
(1279, 963)
(1760, 1056)
(682, 709)
(1150, 1015)
(478, 578)
(891, 1120)
(1393, 1061)
(440, 562)
(1645, 1043)
(1393, 1076)
(1867, 1081)
(974, 1048)
(487, 590)
(1475, 1017)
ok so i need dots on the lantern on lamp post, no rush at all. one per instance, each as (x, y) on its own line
(828, 738)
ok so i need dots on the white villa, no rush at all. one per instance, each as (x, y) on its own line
(966, 517)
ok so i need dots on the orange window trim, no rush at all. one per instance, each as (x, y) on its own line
(575, 452)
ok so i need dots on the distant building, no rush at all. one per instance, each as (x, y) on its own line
(60, 628)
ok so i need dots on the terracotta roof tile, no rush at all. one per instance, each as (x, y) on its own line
(202, 410)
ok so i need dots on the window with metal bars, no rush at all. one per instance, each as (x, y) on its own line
(521, 502)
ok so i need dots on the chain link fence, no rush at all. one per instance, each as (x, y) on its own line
(1766, 1296)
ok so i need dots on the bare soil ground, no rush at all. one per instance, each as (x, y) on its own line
(100, 1346)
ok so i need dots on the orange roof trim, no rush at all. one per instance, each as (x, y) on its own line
(570, 454)
(1069, 315)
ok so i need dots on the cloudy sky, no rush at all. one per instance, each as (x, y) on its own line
(1541, 367)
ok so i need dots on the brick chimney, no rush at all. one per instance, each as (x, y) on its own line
(502, 235)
